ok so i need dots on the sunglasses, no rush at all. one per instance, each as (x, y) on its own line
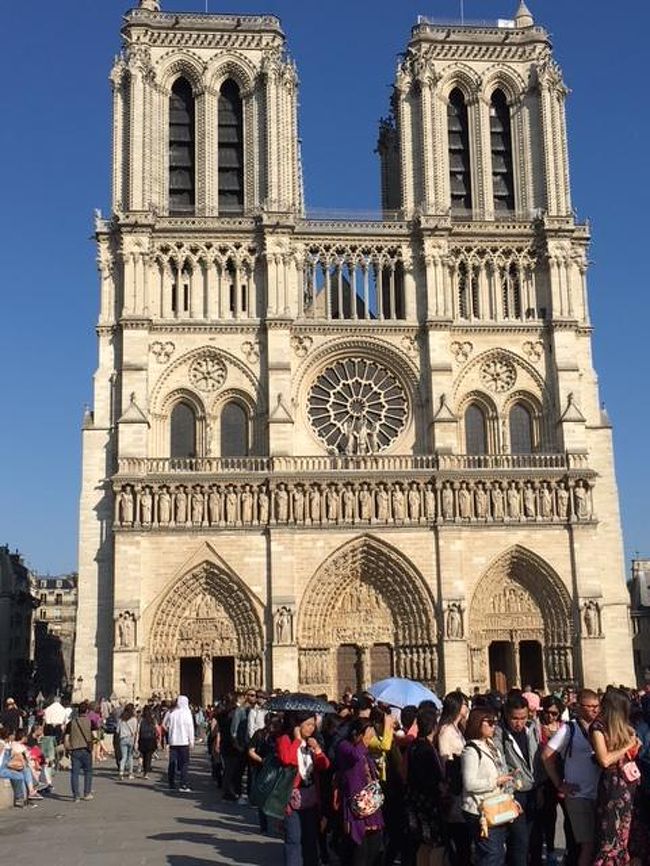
(491, 722)
(552, 713)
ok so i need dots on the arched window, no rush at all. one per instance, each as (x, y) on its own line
(521, 430)
(234, 431)
(231, 149)
(181, 148)
(475, 430)
(469, 306)
(460, 182)
(511, 289)
(182, 431)
(503, 183)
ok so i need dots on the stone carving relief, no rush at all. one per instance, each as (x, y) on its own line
(283, 628)
(251, 350)
(206, 629)
(301, 344)
(208, 373)
(125, 637)
(591, 616)
(498, 374)
(461, 351)
(534, 351)
(162, 352)
(410, 345)
(173, 505)
(361, 617)
(454, 629)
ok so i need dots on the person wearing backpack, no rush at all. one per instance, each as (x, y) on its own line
(127, 730)
(569, 762)
(147, 740)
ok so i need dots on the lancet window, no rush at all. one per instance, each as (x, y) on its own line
(182, 431)
(475, 430)
(234, 430)
(511, 292)
(469, 305)
(503, 184)
(231, 149)
(460, 182)
(182, 135)
(354, 284)
(521, 430)
(494, 283)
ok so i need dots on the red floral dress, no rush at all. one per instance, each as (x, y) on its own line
(613, 813)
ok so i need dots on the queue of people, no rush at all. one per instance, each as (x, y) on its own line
(481, 781)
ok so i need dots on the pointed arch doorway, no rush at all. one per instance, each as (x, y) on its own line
(365, 615)
(206, 637)
(520, 625)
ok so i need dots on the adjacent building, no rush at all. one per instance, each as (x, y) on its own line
(54, 633)
(324, 451)
(17, 604)
(640, 598)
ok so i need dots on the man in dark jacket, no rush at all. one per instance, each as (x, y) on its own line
(79, 742)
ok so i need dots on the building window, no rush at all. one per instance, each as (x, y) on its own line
(183, 431)
(231, 149)
(43, 598)
(469, 306)
(503, 184)
(181, 148)
(511, 292)
(521, 430)
(460, 182)
(58, 598)
(475, 430)
(43, 613)
(234, 431)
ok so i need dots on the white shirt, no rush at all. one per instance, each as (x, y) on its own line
(579, 767)
(55, 714)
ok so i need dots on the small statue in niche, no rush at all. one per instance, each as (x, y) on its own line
(146, 506)
(454, 621)
(125, 630)
(164, 507)
(592, 619)
(283, 625)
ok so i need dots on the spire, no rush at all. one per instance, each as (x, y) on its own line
(150, 5)
(523, 18)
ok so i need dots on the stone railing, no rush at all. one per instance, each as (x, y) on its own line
(363, 500)
(142, 467)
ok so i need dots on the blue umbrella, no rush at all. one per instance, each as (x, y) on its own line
(400, 692)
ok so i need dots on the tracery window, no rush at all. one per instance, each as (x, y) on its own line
(475, 430)
(468, 292)
(231, 148)
(503, 183)
(460, 182)
(521, 430)
(181, 148)
(182, 431)
(234, 430)
(511, 292)
(357, 406)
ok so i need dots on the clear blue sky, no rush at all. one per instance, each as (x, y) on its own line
(55, 147)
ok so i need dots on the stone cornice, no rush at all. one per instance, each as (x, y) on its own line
(184, 326)
(354, 329)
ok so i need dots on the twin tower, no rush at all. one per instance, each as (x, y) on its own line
(323, 451)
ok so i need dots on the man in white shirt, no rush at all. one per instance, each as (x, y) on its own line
(579, 786)
(179, 724)
(55, 718)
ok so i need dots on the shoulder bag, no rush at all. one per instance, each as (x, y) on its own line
(369, 799)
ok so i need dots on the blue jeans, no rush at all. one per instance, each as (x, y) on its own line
(82, 762)
(126, 759)
(179, 762)
(17, 782)
(490, 851)
(301, 838)
(519, 831)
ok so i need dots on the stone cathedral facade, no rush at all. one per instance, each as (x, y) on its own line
(325, 451)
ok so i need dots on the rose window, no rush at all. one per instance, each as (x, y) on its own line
(498, 374)
(357, 407)
(208, 373)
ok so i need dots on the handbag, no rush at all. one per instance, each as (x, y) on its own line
(367, 801)
(630, 772)
(499, 809)
(275, 804)
(16, 762)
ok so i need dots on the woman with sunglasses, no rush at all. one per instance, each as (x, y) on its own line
(550, 722)
(484, 774)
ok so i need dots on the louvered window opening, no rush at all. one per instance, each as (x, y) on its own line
(231, 149)
(460, 182)
(182, 134)
(503, 184)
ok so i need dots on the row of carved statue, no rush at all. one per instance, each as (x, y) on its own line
(186, 505)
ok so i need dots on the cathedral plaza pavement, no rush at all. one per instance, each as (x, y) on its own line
(137, 822)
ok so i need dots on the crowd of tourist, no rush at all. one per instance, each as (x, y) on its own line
(483, 780)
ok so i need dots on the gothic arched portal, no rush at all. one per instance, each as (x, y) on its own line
(520, 624)
(208, 617)
(365, 614)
